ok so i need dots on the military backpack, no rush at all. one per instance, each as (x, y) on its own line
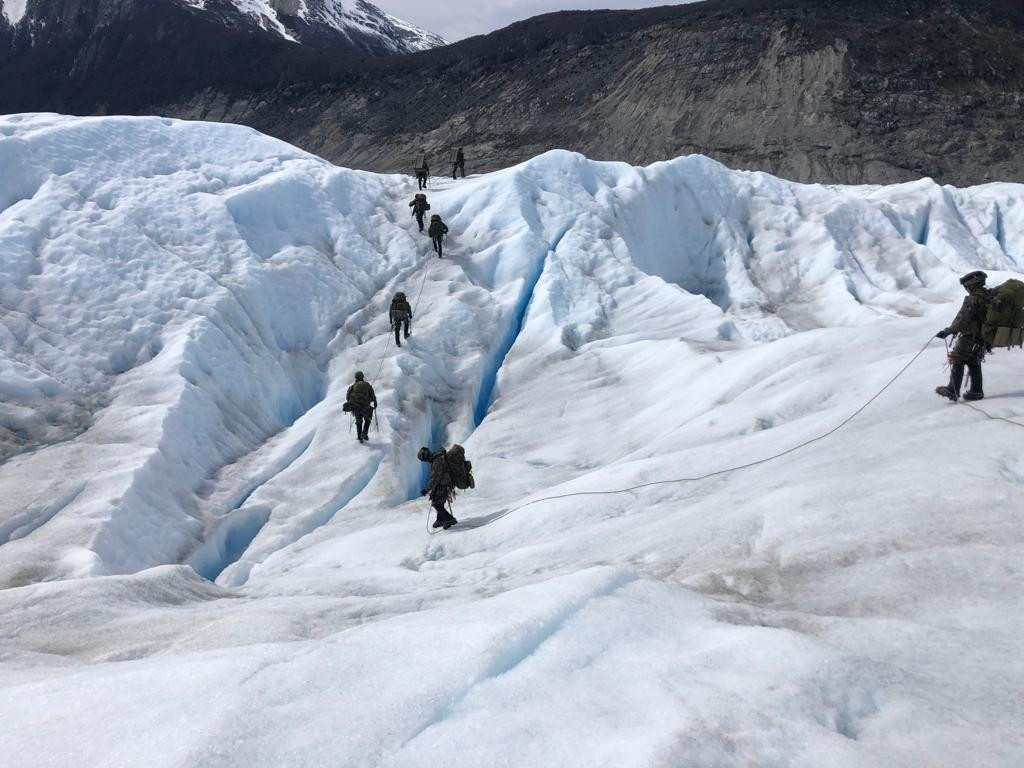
(1004, 321)
(359, 395)
(460, 468)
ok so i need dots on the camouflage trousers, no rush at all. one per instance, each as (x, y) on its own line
(967, 350)
(967, 353)
(439, 497)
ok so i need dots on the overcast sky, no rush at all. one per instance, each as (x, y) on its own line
(456, 19)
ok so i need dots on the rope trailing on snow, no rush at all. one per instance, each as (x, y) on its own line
(988, 415)
(719, 472)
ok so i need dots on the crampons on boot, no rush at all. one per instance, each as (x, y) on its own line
(445, 522)
(974, 396)
(947, 392)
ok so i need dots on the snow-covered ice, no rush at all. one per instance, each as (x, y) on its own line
(202, 567)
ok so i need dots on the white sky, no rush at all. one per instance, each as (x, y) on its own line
(456, 19)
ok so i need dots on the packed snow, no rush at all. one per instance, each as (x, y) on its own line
(202, 566)
(13, 10)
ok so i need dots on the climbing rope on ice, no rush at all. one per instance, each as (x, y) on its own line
(973, 407)
(988, 415)
(716, 473)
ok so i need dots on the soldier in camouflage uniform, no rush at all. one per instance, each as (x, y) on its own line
(361, 401)
(419, 207)
(423, 174)
(440, 487)
(969, 348)
(437, 230)
(401, 315)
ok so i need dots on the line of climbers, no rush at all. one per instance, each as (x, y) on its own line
(988, 319)
(438, 230)
(450, 470)
(422, 171)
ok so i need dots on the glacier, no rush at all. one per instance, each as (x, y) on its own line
(199, 565)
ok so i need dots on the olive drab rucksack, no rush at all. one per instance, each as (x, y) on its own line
(1004, 321)
(460, 468)
(359, 394)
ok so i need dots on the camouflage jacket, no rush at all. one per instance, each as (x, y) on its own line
(440, 476)
(438, 229)
(971, 316)
(361, 394)
(400, 310)
(420, 205)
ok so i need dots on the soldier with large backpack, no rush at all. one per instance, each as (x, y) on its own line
(419, 207)
(438, 229)
(988, 318)
(400, 314)
(423, 173)
(969, 348)
(449, 470)
(361, 401)
(459, 164)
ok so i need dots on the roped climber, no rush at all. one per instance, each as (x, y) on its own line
(440, 488)
(400, 315)
(419, 207)
(969, 348)
(423, 173)
(361, 401)
(437, 230)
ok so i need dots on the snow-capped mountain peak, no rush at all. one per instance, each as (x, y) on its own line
(336, 25)
(358, 21)
(13, 10)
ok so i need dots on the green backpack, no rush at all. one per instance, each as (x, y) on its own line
(1004, 321)
(460, 469)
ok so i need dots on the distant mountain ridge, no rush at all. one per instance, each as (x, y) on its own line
(328, 22)
(356, 25)
(865, 91)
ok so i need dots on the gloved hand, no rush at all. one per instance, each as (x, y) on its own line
(423, 492)
(943, 333)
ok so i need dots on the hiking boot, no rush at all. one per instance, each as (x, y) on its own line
(947, 392)
(449, 523)
(438, 523)
(974, 396)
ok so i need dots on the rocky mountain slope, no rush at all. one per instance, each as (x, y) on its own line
(865, 91)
